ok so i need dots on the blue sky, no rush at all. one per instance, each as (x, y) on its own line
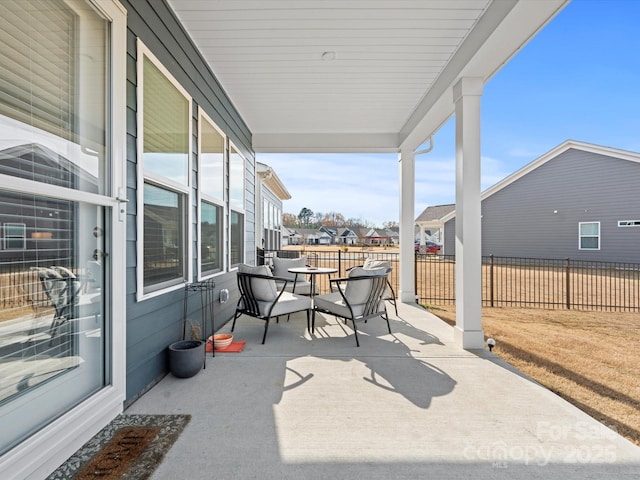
(578, 79)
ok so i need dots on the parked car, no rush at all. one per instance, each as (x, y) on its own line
(430, 247)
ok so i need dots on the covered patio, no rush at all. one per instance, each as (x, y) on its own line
(278, 76)
(407, 405)
(379, 77)
(427, 401)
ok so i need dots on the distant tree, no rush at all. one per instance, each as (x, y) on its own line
(305, 216)
(333, 219)
(289, 220)
(390, 224)
(317, 220)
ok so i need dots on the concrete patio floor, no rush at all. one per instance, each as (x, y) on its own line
(410, 405)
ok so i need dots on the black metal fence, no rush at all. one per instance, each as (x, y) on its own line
(533, 282)
(341, 260)
(506, 281)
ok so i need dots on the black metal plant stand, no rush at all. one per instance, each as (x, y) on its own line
(206, 289)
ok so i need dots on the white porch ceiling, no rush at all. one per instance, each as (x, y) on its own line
(390, 83)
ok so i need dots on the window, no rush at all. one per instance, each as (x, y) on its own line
(629, 223)
(236, 205)
(589, 235)
(163, 235)
(210, 238)
(15, 236)
(237, 238)
(164, 116)
(211, 189)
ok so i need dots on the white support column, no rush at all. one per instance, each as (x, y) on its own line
(468, 330)
(407, 292)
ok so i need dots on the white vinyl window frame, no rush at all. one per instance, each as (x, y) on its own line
(44, 451)
(236, 207)
(203, 197)
(628, 223)
(160, 181)
(10, 236)
(583, 236)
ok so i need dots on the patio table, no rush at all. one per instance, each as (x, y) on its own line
(312, 272)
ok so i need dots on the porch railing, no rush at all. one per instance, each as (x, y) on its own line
(340, 260)
(534, 282)
(506, 281)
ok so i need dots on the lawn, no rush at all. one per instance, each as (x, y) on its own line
(588, 358)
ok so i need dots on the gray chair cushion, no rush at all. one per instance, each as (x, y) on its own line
(358, 291)
(302, 287)
(287, 303)
(263, 289)
(333, 302)
(281, 266)
(370, 264)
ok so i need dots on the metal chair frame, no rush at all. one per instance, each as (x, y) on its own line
(248, 305)
(371, 306)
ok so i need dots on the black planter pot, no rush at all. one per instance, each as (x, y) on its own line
(186, 358)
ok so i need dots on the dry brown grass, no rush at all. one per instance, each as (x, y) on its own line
(588, 358)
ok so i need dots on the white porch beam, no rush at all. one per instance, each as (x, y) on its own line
(325, 142)
(407, 221)
(467, 93)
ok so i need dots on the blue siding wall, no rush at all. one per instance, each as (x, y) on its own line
(537, 216)
(155, 323)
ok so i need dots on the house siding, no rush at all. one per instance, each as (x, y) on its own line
(581, 186)
(155, 323)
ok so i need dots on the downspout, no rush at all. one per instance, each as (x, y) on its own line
(425, 150)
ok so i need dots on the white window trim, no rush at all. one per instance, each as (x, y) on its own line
(628, 223)
(43, 452)
(242, 211)
(580, 236)
(142, 51)
(6, 237)
(202, 115)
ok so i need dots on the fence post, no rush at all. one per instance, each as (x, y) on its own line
(415, 276)
(568, 283)
(491, 279)
(339, 262)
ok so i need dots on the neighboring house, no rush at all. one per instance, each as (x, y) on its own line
(577, 201)
(331, 231)
(374, 236)
(430, 226)
(394, 236)
(340, 235)
(291, 237)
(270, 194)
(346, 236)
(312, 236)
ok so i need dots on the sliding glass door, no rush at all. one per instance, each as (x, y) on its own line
(56, 212)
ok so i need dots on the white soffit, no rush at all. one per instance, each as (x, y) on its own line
(353, 75)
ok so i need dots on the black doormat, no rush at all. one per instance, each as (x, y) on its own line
(129, 448)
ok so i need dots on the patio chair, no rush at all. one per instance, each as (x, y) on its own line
(389, 293)
(359, 297)
(294, 283)
(61, 287)
(260, 298)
